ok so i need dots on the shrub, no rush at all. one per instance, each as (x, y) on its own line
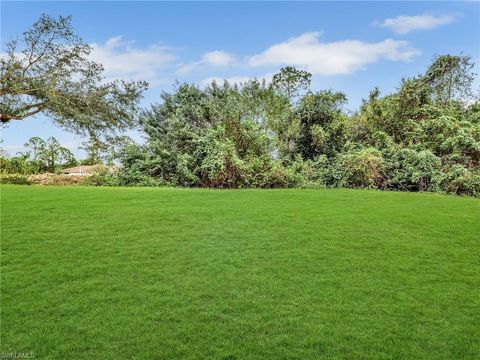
(461, 181)
(136, 179)
(220, 165)
(102, 178)
(414, 170)
(16, 179)
(323, 171)
(300, 173)
(360, 168)
(56, 179)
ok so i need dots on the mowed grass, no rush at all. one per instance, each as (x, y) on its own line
(118, 273)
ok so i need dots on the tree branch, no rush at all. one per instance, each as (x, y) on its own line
(5, 118)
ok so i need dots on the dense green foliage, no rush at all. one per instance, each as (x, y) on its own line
(423, 137)
(117, 273)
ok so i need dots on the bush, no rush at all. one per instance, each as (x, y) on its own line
(122, 178)
(323, 171)
(220, 166)
(414, 170)
(360, 168)
(16, 179)
(136, 179)
(56, 179)
(461, 181)
(102, 178)
(42, 179)
(300, 174)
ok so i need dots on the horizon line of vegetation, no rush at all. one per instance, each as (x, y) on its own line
(423, 137)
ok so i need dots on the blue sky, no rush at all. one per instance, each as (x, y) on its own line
(348, 46)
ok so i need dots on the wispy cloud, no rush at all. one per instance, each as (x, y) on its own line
(122, 60)
(404, 24)
(159, 64)
(211, 59)
(332, 58)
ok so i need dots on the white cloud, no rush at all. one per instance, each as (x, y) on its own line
(217, 58)
(122, 60)
(332, 58)
(404, 24)
(235, 79)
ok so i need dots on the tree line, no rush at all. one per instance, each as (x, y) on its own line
(49, 156)
(425, 136)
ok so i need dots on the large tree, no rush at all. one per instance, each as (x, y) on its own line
(96, 151)
(450, 77)
(291, 81)
(49, 72)
(35, 144)
(53, 154)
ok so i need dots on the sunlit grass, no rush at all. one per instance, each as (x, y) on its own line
(117, 273)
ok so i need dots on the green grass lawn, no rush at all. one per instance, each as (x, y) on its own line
(117, 273)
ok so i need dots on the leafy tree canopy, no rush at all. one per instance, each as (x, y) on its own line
(450, 77)
(290, 81)
(49, 71)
